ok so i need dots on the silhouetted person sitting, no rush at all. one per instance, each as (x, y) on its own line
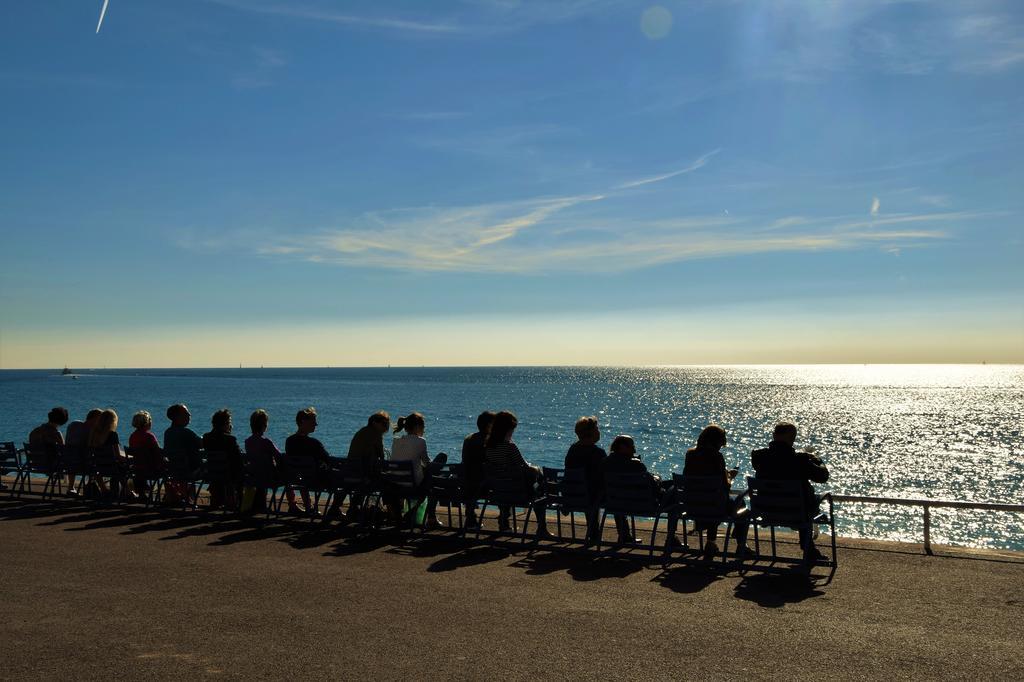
(47, 438)
(183, 449)
(706, 460)
(148, 459)
(585, 455)
(301, 444)
(366, 455)
(77, 439)
(473, 448)
(502, 459)
(264, 461)
(623, 460)
(219, 439)
(78, 431)
(781, 462)
(104, 442)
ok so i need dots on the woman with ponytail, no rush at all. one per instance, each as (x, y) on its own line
(412, 447)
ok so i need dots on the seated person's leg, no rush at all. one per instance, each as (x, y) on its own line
(623, 528)
(593, 521)
(437, 463)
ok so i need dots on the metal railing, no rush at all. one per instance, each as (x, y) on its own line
(927, 505)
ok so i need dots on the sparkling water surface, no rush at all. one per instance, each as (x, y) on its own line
(937, 431)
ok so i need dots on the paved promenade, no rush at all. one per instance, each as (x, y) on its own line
(92, 593)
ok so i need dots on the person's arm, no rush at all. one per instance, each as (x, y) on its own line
(517, 457)
(815, 470)
(424, 456)
(322, 454)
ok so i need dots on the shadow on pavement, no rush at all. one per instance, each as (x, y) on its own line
(359, 544)
(688, 579)
(471, 556)
(776, 590)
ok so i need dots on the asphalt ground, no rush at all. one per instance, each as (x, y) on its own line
(95, 592)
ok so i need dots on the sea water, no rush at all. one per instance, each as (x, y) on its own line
(922, 431)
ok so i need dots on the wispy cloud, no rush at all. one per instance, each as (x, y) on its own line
(875, 205)
(473, 19)
(299, 10)
(550, 234)
(699, 163)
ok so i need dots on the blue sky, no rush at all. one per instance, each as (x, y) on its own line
(208, 182)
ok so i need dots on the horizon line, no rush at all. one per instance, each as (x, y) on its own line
(527, 366)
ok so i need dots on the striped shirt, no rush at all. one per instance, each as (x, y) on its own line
(504, 459)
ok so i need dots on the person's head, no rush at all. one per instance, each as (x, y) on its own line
(784, 433)
(711, 438)
(305, 420)
(587, 430)
(258, 421)
(105, 424)
(58, 416)
(413, 424)
(142, 420)
(92, 416)
(179, 415)
(623, 445)
(380, 421)
(221, 421)
(484, 421)
(501, 428)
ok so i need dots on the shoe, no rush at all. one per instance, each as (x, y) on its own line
(710, 550)
(628, 540)
(296, 509)
(332, 513)
(431, 523)
(504, 526)
(674, 542)
(744, 552)
(545, 534)
(472, 521)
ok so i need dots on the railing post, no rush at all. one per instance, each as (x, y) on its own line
(927, 529)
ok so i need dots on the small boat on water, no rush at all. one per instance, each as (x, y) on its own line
(67, 371)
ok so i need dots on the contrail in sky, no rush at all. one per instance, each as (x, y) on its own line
(103, 13)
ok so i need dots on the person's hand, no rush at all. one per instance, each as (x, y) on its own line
(732, 473)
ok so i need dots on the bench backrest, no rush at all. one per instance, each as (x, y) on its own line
(446, 485)
(179, 465)
(630, 494)
(570, 488)
(41, 459)
(704, 497)
(777, 502)
(507, 486)
(9, 455)
(398, 473)
(300, 469)
(105, 459)
(218, 468)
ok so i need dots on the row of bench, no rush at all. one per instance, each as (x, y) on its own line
(688, 501)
